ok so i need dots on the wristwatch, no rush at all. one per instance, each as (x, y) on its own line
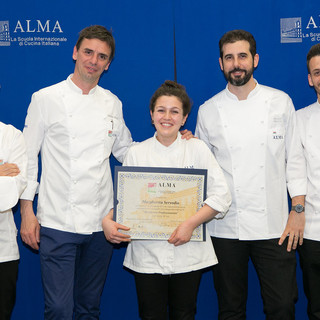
(298, 208)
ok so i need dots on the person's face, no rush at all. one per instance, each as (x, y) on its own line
(237, 62)
(314, 75)
(92, 59)
(168, 118)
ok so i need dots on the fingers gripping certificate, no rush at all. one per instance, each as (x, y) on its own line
(154, 201)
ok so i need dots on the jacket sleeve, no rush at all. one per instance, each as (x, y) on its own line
(218, 194)
(34, 131)
(123, 140)
(296, 174)
(12, 187)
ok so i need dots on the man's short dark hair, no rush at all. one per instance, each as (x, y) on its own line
(100, 33)
(313, 52)
(238, 35)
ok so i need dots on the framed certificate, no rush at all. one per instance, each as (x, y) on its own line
(153, 201)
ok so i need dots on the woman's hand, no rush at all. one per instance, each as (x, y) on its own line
(181, 234)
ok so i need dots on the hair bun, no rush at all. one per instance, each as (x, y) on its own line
(172, 84)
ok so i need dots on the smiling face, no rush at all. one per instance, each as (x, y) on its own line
(237, 63)
(168, 118)
(92, 58)
(314, 75)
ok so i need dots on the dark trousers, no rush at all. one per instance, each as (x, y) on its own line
(177, 292)
(73, 268)
(8, 280)
(309, 254)
(276, 269)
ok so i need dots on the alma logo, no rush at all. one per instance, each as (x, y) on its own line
(4, 33)
(292, 29)
(167, 184)
(312, 23)
(29, 26)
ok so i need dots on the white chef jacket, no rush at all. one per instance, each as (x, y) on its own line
(252, 141)
(308, 120)
(12, 150)
(76, 134)
(160, 256)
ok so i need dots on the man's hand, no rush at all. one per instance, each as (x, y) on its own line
(295, 225)
(186, 134)
(30, 228)
(110, 229)
(294, 229)
(9, 170)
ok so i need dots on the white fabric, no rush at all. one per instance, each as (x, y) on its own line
(252, 141)
(160, 256)
(76, 134)
(12, 150)
(308, 120)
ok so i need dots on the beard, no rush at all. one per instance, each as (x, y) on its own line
(239, 81)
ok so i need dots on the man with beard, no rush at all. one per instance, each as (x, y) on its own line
(308, 123)
(251, 130)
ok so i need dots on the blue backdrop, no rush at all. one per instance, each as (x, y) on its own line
(36, 43)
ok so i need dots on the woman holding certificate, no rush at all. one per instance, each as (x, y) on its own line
(168, 272)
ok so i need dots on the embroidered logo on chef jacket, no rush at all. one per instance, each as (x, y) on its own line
(278, 125)
(277, 136)
(112, 125)
(111, 128)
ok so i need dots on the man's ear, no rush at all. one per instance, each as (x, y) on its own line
(75, 53)
(221, 64)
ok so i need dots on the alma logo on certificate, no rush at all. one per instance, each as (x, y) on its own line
(151, 187)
